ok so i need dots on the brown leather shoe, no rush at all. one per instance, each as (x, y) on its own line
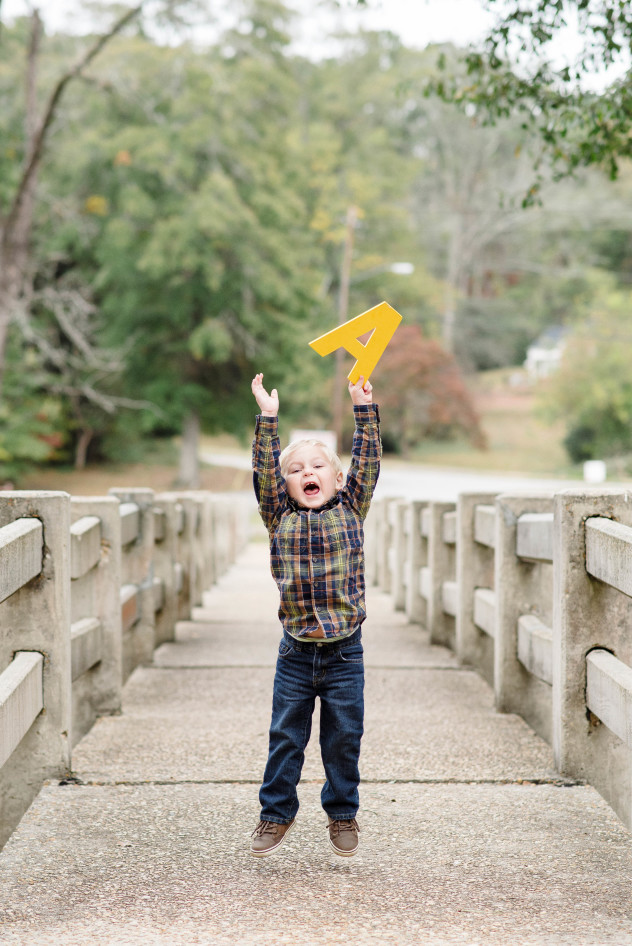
(343, 836)
(268, 836)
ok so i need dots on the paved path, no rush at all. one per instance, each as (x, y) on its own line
(468, 836)
(422, 481)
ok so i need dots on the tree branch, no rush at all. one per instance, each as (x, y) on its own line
(40, 135)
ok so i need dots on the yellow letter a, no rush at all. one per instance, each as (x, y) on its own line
(382, 319)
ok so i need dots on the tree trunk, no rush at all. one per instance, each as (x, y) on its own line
(189, 474)
(452, 282)
(81, 451)
(15, 228)
(15, 235)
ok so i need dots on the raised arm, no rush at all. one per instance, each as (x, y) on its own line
(268, 483)
(268, 403)
(367, 449)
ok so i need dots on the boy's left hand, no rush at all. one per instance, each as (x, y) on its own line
(361, 392)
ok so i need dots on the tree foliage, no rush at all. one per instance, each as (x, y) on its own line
(592, 391)
(519, 70)
(423, 394)
(189, 221)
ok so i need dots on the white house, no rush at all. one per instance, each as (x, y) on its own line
(545, 353)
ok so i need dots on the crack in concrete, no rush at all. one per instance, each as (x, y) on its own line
(367, 666)
(555, 781)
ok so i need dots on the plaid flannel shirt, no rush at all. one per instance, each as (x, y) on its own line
(316, 555)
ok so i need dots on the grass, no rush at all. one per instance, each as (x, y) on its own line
(159, 471)
(517, 440)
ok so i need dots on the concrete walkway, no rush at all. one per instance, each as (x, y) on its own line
(468, 836)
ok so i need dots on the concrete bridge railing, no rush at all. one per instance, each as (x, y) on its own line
(88, 587)
(534, 591)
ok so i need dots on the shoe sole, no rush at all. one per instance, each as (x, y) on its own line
(275, 847)
(342, 853)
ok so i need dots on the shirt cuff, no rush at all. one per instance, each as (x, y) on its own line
(266, 425)
(366, 414)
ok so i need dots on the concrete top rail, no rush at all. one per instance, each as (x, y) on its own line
(130, 522)
(450, 597)
(85, 545)
(87, 645)
(179, 518)
(426, 520)
(535, 647)
(485, 525)
(160, 525)
(485, 609)
(449, 528)
(609, 553)
(21, 700)
(21, 545)
(534, 539)
(609, 692)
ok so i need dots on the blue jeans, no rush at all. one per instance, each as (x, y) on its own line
(334, 671)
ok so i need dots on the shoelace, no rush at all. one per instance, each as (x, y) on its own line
(265, 827)
(340, 826)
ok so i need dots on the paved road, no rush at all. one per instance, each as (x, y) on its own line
(425, 482)
(467, 834)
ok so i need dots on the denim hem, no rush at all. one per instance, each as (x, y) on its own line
(342, 817)
(276, 820)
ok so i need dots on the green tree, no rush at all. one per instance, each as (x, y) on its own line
(25, 157)
(34, 296)
(592, 391)
(201, 238)
(517, 71)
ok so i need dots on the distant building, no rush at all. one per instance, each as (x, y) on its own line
(545, 353)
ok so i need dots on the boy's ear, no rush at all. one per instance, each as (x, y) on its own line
(339, 479)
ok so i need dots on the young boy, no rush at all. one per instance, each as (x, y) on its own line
(316, 555)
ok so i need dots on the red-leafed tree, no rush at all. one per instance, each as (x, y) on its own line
(422, 393)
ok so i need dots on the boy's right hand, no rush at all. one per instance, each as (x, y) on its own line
(268, 403)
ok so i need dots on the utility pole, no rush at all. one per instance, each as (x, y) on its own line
(343, 311)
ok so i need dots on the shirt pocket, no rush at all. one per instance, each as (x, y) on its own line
(287, 538)
(341, 533)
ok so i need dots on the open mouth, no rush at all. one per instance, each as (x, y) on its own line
(311, 489)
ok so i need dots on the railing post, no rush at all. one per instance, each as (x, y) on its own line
(524, 586)
(475, 580)
(416, 559)
(399, 552)
(96, 617)
(220, 538)
(36, 617)
(382, 535)
(441, 519)
(137, 575)
(370, 545)
(386, 550)
(587, 614)
(207, 537)
(166, 512)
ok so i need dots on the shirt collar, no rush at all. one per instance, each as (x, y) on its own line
(328, 505)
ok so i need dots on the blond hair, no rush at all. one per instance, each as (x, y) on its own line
(291, 448)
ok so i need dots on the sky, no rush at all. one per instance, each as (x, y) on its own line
(418, 22)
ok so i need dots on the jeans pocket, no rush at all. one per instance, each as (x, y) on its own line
(285, 649)
(351, 655)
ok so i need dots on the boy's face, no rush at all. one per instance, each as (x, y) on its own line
(311, 479)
